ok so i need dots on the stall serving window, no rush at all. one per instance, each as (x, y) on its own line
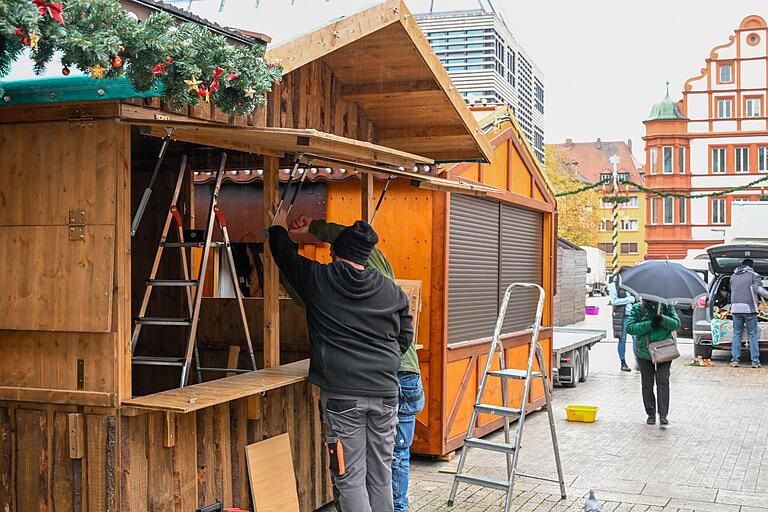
(491, 245)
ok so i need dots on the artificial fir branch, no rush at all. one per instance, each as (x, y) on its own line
(99, 33)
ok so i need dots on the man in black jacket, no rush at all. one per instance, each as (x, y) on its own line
(359, 327)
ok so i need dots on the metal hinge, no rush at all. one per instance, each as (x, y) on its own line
(77, 225)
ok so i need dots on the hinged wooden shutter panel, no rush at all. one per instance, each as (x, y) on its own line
(522, 233)
(473, 267)
(51, 283)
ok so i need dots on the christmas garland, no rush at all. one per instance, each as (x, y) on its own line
(715, 193)
(583, 189)
(98, 37)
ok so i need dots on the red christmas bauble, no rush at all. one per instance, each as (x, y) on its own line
(117, 62)
(25, 41)
(232, 77)
(169, 60)
(65, 71)
(19, 32)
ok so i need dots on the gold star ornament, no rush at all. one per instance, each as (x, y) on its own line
(97, 71)
(249, 92)
(34, 39)
(193, 84)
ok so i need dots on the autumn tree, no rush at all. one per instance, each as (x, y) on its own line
(578, 217)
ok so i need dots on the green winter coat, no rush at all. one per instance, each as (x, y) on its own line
(640, 326)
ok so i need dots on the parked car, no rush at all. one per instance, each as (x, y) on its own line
(724, 259)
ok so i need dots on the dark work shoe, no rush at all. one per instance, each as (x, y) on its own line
(651, 420)
(624, 367)
(663, 421)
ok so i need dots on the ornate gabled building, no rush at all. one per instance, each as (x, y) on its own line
(714, 139)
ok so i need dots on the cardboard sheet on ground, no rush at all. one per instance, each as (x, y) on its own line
(270, 470)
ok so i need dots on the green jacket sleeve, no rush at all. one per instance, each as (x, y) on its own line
(669, 319)
(325, 231)
(636, 325)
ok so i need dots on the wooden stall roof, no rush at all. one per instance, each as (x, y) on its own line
(228, 389)
(385, 64)
(319, 147)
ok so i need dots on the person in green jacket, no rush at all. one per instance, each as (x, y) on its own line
(650, 322)
(411, 399)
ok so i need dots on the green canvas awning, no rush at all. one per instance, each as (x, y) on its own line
(70, 89)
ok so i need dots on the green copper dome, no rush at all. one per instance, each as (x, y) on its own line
(666, 109)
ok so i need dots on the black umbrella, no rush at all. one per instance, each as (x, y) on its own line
(664, 282)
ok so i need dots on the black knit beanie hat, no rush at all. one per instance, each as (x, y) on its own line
(356, 242)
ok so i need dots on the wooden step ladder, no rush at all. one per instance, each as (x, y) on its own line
(509, 448)
(194, 298)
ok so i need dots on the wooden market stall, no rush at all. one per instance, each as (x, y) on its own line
(81, 427)
(464, 246)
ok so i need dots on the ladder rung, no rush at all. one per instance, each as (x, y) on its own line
(515, 374)
(473, 442)
(182, 244)
(498, 410)
(483, 482)
(233, 370)
(158, 361)
(191, 244)
(171, 282)
(153, 320)
(555, 480)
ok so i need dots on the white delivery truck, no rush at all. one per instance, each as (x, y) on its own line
(597, 277)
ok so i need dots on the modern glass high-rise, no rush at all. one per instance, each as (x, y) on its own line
(486, 63)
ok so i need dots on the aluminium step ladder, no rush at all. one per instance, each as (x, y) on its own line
(511, 450)
(194, 299)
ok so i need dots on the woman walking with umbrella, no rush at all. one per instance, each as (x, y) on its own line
(653, 322)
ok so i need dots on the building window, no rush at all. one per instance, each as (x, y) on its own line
(606, 247)
(681, 159)
(669, 210)
(629, 248)
(605, 176)
(683, 207)
(606, 225)
(725, 73)
(629, 225)
(539, 96)
(718, 160)
(742, 159)
(605, 203)
(654, 157)
(718, 211)
(654, 210)
(752, 107)
(667, 165)
(724, 108)
(632, 203)
(623, 177)
(762, 159)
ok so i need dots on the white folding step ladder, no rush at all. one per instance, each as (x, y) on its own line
(510, 449)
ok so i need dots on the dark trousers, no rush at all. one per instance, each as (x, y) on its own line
(659, 374)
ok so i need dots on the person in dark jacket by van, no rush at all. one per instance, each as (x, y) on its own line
(359, 327)
(745, 289)
(650, 322)
(621, 302)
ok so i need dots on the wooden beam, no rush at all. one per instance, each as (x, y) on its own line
(57, 396)
(232, 359)
(317, 43)
(271, 284)
(76, 430)
(355, 92)
(367, 200)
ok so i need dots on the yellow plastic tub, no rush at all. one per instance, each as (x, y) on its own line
(582, 413)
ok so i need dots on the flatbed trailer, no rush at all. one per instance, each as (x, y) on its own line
(570, 354)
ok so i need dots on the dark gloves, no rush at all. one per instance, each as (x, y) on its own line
(656, 322)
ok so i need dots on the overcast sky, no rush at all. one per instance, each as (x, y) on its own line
(605, 62)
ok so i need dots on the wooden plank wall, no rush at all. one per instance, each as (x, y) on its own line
(176, 463)
(65, 300)
(307, 97)
(207, 461)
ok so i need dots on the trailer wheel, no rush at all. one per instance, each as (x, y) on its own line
(575, 369)
(584, 365)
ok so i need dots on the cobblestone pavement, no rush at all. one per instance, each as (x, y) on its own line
(712, 458)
